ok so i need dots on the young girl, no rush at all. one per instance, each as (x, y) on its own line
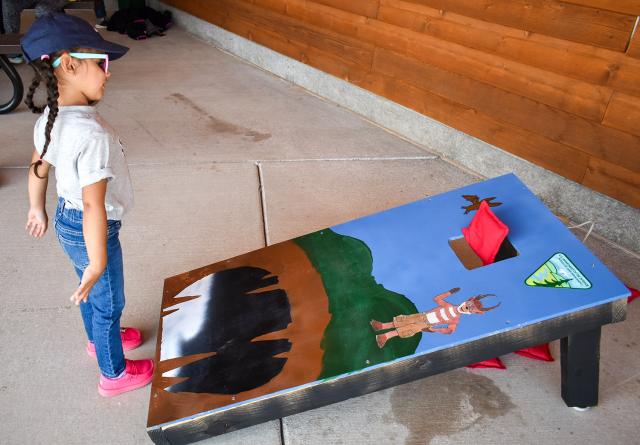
(93, 185)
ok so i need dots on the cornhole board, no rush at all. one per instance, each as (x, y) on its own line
(288, 328)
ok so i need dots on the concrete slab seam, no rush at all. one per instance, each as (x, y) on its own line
(253, 161)
(272, 161)
(263, 204)
(365, 159)
(619, 384)
(263, 161)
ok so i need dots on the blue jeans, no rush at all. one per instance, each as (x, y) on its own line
(101, 314)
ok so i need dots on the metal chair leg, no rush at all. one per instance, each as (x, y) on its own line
(16, 81)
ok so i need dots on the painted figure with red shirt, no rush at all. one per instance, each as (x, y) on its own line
(443, 319)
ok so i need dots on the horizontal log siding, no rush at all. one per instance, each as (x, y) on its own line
(631, 7)
(554, 82)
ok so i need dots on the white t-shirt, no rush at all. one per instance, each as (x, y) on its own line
(84, 149)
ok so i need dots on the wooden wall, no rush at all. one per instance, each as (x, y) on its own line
(554, 82)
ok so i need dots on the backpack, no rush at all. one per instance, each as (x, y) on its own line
(140, 23)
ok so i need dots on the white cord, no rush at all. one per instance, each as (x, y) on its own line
(584, 224)
(589, 232)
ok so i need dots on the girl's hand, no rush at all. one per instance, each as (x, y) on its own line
(37, 222)
(89, 278)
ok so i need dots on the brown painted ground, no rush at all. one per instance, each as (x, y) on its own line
(309, 313)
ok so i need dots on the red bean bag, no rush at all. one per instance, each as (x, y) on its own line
(540, 352)
(495, 363)
(485, 234)
(635, 293)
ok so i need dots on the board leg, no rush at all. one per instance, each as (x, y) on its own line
(580, 363)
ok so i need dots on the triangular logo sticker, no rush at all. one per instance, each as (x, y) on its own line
(558, 272)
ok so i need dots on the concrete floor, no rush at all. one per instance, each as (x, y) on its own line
(206, 134)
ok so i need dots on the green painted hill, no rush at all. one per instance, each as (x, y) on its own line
(346, 265)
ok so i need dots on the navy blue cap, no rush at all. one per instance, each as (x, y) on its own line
(58, 31)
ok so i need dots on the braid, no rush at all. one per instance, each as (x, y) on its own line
(32, 89)
(44, 71)
(52, 102)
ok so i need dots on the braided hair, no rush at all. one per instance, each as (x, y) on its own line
(44, 71)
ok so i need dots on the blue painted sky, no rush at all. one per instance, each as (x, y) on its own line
(411, 256)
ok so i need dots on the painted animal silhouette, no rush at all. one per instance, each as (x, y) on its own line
(223, 313)
(475, 202)
(443, 319)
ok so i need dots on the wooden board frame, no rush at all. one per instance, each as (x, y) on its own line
(285, 403)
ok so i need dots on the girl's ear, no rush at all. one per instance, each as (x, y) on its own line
(68, 64)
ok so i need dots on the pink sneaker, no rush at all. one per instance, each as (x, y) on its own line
(137, 373)
(131, 339)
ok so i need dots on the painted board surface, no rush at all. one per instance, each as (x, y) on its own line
(366, 293)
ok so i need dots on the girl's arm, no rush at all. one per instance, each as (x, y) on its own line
(94, 229)
(37, 220)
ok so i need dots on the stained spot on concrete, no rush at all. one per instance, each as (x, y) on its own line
(446, 404)
(257, 137)
(218, 125)
(40, 309)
